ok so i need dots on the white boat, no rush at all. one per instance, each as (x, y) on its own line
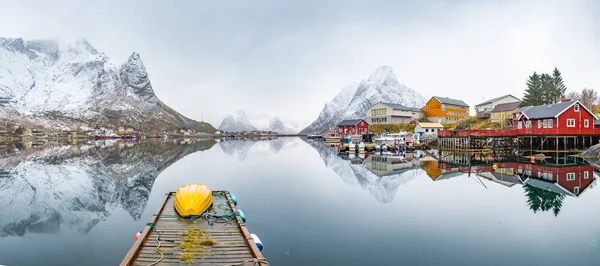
(388, 140)
(356, 143)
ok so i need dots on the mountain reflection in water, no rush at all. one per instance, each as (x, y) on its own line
(45, 187)
(545, 186)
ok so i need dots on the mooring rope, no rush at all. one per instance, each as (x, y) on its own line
(158, 246)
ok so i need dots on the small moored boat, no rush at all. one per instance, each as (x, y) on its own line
(192, 200)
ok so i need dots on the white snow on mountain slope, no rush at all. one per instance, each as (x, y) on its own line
(76, 186)
(355, 99)
(37, 79)
(237, 122)
(241, 121)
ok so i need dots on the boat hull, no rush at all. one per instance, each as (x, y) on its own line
(192, 200)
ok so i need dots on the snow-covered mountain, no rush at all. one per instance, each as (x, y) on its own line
(355, 99)
(237, 122)
(48, 188)
(240, 121)
(42, 85)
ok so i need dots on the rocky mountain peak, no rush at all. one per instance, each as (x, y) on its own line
(354, 100)
(135, 77)
(83, 45)
(78, 84)
(383, 74)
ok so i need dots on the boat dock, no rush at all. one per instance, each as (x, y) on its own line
(196, 242)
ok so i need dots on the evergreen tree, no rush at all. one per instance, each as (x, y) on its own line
(559, 84)
(549, 92)
(533, 94)
(544, 89)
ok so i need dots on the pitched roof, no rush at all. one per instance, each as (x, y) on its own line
(546, 185)
(547, 110)
(397, 106)
(495, 99)
(349, 122)
(503, 107)
(430, 125)
(446, 100)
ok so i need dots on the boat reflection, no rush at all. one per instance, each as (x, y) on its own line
(380, 174)
(47, 187)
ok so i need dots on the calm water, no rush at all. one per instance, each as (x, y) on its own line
(82, 204)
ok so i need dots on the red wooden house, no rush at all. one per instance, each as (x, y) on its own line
(354, 126)
(564, 118)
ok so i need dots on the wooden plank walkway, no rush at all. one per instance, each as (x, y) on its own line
(233, 244)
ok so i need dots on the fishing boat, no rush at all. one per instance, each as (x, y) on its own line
(387, 140)
(218, 236)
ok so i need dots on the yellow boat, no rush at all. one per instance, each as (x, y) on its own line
(192, 199)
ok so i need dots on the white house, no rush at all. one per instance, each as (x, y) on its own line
(483, 109)
(426, 128)
(391, 113)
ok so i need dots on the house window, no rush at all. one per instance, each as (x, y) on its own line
(586, 175)
(427, 130)
(570, 176)
(520, 125)
(545, 123)
(576, 190)
(528, 124)
(586, 123)
(539, 123)
(550, 123)
(570, 122)
(550, 176)
(576, 107)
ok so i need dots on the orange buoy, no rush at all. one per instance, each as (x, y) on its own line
(532, 159)
(137, 235)
(494, 166)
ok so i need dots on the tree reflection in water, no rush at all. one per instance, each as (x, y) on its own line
(543, 200)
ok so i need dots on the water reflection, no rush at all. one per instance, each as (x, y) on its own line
(45, 187)
(545, 186)
(381, 175)
(240, 149)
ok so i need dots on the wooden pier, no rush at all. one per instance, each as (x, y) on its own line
(195, 242)
(524, 144)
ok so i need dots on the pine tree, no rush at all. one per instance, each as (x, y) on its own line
(559, 84)
(533, 94)
(544, 89)
(548, 90)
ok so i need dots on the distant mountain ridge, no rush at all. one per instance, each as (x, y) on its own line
(43, 86)
(241, 122)
(354, 100)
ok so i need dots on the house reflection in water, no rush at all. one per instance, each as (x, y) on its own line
(431, 166)
(545, 186)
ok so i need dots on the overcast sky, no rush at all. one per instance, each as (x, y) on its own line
(210, 58)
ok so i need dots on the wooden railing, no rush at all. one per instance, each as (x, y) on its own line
(515, 132)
